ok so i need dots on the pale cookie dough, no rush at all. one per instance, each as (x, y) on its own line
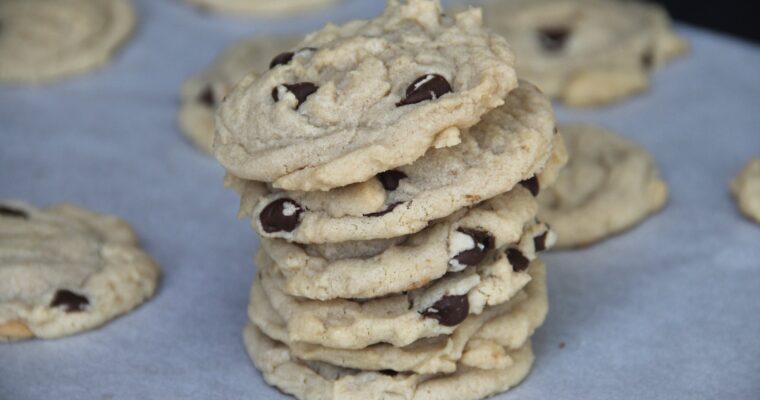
(64, 270)
(202, 93)
(586, 52)
(361, 270)
(364, 97)
(609, 185)
(515, 320)
(263, 8)
(403, 318)
(746, 190)
(42, 40)
(321, 381)
(511, 144)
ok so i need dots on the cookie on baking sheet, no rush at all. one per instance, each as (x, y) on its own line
(366, 269)
(42, 40)
(263, 8)
(511, 144)
(586, 52)
(321, 381)
(201, 94)
(609, 185)
(472, 342)
(746, 190)
(403, 318)
(363, 98)
(64, 270)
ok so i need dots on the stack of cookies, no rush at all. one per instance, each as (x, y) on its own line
(390, 167)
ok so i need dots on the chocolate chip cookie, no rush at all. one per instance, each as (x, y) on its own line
(64, 270)
(365, 97)
(43, 40)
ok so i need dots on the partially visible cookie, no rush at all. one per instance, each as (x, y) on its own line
(363, 98)
(511, 144)
(64, 270)
(470, 344)
(586, 52)
(201, 94)
(361, 270)
(402, 318)
(263, 8)
(746, 190)
(43, 40)
(609, 185)
(322, 381)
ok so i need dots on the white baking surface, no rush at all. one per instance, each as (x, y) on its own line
(669, 310)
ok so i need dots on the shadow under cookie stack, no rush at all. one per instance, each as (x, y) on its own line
(390, 168)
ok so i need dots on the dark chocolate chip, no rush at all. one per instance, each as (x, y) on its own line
(449, 310)
(207, 97)
(281, 59)
(426, 87)
(532, 185)
(70, 301)
(388, 372)
(8, 211)
(281, 215)
(647, 59)
(301, 90)
(539, 242)
(386, 211)
(484, 242)
(553, 38)
(390, 179)
(518, 260)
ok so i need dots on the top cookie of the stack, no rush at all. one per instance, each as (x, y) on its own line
(364, 97)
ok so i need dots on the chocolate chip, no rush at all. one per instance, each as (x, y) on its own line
(8, 211)
(70, 301)
(553, 38)
(388, 372)
(281, 59)
(207, 97)
(281, 215)
(390, 179)
(449, 310)
(484, 242)
(647, 59)
(532, 185)
(386, 211)
(426, 87)
(518, 260)
(301, 90)
(539, 242)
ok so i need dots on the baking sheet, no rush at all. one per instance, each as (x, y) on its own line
(668, 310)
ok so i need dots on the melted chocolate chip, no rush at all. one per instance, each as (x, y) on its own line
(426, 87)
(532, 185)
(281, 59)
(70, 301)
(206, 97)
(484, 242)
(301, 90)
(281, 215)
(390, 179)
(553, 38)
(647, 59)
(388, 372)
(539, 242)
(518, 260)
(386, 211)
(8, 211)
(449, 310)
